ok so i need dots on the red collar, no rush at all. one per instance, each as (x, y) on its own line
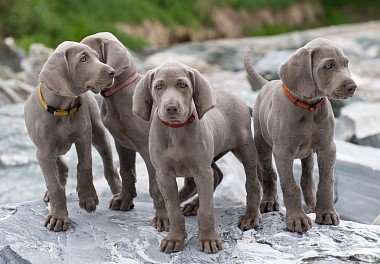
(121, 86)
(299, 103)
(189, 120)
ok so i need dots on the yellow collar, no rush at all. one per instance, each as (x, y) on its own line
(54, 111)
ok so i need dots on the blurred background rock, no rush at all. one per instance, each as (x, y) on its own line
(210, 36)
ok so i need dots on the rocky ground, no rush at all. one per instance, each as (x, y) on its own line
(116, 237)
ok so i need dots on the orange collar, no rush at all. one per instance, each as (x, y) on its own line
(299, 103)
(189, 120)
(121, 86)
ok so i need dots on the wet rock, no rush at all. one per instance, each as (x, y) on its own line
(32, 65)
(107, 236)
(10, 55)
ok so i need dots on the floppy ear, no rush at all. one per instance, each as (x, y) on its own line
(142, 97)
(116, 55)
(55, 73)
(203, 94)
(297, 74)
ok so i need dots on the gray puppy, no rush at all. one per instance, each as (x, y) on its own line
(60, 113)
(131, 132)
(192, 125)
(292, 119)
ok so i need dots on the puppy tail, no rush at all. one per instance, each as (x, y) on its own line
(255, 76)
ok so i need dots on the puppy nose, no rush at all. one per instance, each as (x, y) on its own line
(351, 87)
(171, 109)
(111, 72)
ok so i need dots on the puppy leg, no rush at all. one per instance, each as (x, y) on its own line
(208, 239)
(191, 208)
(325, 210)
(88, 199)
(252, 216)
(175, 239)
(160, 220)
(267, 174)
(296, 218)
(101, 143)
(307, 183)
(62, 173)
(124, 200)
(57, 220)
(188, 190)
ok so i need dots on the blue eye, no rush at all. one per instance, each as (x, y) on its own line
(83, 58)
(158, 86)
(183, 85)
(328, 66)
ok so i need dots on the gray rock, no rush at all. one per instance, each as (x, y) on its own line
(10, 55)
(107, 236)
(371, 141)
(32, 65)
(14, 91)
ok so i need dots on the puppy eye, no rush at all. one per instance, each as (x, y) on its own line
(346, 63)
(183, 85)
(83, 58)
(158, 86)
(328, 66)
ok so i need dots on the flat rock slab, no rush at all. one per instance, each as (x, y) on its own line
(128, 237)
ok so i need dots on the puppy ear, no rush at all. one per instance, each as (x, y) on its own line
(55, 73)
(116, 55)
(203, 94)
(142, 97)
(297, 74)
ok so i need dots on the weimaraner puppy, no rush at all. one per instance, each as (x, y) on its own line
(130, 132)
(292, 119)
(60, 113)
(192, 125)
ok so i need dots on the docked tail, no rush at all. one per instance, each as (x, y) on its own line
(255, 76)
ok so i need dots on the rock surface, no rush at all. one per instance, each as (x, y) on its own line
(127, 237)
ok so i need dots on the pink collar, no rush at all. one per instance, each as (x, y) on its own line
(188, 120)
(121, 86)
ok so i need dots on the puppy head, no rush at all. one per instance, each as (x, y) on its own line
(173, 87)
(318, 69)
(73, 69)
(110, 50)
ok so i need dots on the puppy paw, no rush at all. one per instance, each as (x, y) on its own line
(46, 197)
(249, 221)
(161, 221)
(269, 205)
(298, 222)
(212, 245)
(329, 217)
(170, 244)
(122, 203)
(88, 200)
(190, 208)
(57, 222)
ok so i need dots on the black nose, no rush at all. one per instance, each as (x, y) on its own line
(111, 71)
(171, 109)
(351, 87)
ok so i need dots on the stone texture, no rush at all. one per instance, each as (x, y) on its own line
(127, 237)
(10, 55)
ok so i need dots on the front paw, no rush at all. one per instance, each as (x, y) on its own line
(269, 205)
(161, 221)
(88, 200)
(210, 245)
(297, 222)
(121, 202)
(171, 244)
(191, 208)
(57, 222)
(249, 220)
(328, 217)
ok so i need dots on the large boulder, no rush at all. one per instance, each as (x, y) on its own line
(32, 65)
(10, 55)
(107, 236)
